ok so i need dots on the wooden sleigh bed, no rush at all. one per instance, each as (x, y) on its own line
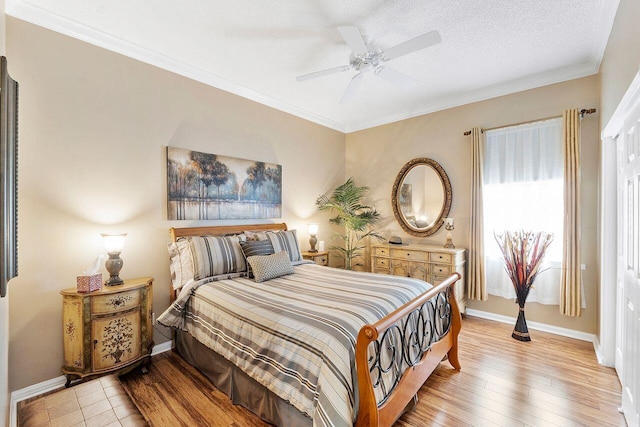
(393, 356)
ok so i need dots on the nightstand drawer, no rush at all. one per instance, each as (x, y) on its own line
(115, 303)
(441, 257)
(409, 254)
(321, 260)
(441, 270)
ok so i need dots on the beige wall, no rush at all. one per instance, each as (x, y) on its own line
(375, 156)
(93, 130)
(621, 61)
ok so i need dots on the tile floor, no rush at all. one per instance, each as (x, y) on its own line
(98, 403)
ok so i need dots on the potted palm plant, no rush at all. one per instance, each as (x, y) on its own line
(346, 202)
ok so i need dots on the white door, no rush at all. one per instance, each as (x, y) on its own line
(629, 265)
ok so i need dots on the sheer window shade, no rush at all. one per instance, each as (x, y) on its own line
(523, 189)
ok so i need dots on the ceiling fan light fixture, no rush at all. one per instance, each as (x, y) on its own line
(365, 60)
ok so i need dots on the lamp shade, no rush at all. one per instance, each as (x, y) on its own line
(313, 229)
(113, 243)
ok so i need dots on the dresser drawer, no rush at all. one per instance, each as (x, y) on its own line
(381, 263)
(381, 251)
(441, 257)
(441, 270)
(409, 254)
(115, 303)
(381, 270)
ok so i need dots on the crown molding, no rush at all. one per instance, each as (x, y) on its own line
(44, 18)
(508, 88)
(21, 9)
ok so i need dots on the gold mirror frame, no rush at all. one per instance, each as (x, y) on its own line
(395, 197)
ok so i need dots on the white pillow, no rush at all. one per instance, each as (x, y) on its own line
(181, 263)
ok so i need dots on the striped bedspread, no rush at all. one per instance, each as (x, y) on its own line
(295, 334)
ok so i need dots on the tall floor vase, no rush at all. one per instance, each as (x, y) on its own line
(521, 331)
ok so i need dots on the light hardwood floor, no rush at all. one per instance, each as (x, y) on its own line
(551, 380)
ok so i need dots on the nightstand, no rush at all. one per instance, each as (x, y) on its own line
(320, 257)
(107, 331)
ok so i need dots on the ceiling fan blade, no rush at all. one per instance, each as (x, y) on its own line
(352, 88)
(395, 77)
(404, 48)
(323, 73)
(352, 36)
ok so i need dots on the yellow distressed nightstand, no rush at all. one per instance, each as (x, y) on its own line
(107, 331)
(320, 257)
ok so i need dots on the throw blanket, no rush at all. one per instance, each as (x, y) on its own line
(295, 334)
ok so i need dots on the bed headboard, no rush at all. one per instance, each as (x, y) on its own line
(220, 230)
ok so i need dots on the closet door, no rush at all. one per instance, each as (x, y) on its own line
(629, 266)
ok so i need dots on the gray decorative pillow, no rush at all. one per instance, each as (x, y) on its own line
(256, 247)
(215, 255)
(286, 241)
(266, 267)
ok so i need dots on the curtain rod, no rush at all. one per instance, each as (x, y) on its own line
(582, 113)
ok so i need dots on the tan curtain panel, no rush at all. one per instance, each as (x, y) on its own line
(571, 279)
(476, 282)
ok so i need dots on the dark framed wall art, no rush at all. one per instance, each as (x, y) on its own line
(8, 176)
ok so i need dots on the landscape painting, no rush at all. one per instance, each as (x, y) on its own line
(202, 186)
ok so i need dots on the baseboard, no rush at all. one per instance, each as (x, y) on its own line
(54, 384)
(161, 348)
(600, 355)
(570, 333)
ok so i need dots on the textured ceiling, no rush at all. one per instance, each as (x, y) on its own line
(256, 48)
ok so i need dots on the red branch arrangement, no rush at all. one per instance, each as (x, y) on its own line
(523, 252)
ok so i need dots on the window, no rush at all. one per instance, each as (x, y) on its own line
(523, 189)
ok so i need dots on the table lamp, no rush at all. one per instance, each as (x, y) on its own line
(113, 243)
(313, 231)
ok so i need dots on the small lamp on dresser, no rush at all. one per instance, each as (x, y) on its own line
(448, 225)
(313, 232)
(113, 243)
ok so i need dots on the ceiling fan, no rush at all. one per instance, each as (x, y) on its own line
(367, 59)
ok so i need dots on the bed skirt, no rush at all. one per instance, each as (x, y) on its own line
(241, 389)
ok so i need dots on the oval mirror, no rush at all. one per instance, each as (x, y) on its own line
(421, 197)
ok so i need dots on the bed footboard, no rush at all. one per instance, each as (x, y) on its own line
(396, 355)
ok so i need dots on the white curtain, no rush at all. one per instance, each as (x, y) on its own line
(523, 189)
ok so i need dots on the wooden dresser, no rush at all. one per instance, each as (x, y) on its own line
(432, 264)
(107, 331)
